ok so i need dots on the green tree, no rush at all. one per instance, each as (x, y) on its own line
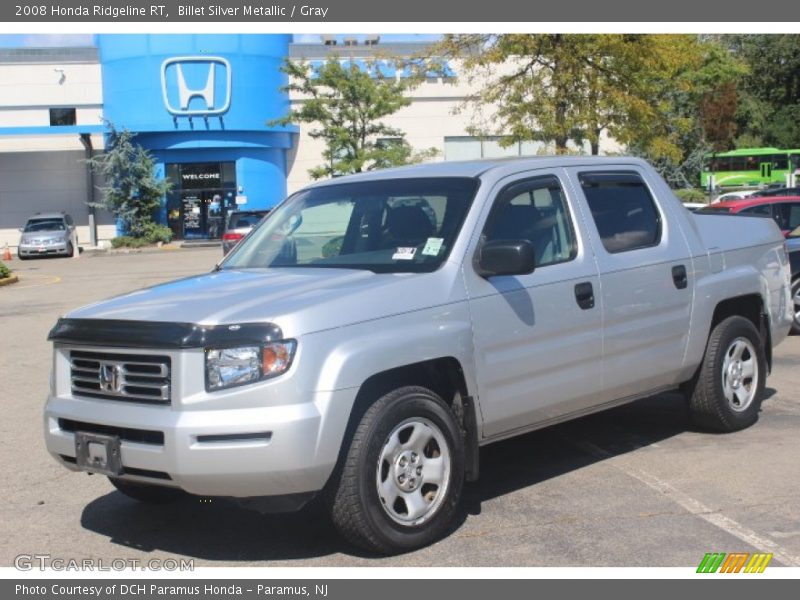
(561, 87)
(347, 103)
(699, 113)
(132, 192)
(769, 111)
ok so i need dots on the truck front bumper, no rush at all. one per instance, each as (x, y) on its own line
(244, 452)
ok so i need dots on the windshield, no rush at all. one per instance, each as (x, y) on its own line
(386, 226)
(45, 225)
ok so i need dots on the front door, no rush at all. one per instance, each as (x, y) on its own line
(203, 214)
(538, 337)
(766, 172)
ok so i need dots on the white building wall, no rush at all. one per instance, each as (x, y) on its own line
(47, 172)
(30, 86)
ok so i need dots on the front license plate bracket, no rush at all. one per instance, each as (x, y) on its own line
(98, 453)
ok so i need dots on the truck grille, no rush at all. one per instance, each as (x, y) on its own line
(127, 377)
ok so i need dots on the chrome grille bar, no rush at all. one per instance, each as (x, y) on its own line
(127, 377)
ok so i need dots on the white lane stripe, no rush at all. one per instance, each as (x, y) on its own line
(784, 534)
(695, 507)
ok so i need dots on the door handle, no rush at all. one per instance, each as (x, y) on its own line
(584, 295)
(679, 277)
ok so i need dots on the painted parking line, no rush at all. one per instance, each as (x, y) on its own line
(32, 281)
(691, 505)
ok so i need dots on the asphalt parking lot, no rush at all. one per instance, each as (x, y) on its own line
(635, 486)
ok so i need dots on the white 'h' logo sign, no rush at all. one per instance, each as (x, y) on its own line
(207, 93)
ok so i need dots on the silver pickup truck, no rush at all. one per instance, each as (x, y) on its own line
(366, 339)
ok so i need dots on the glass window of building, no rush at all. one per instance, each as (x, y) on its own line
(62, 116)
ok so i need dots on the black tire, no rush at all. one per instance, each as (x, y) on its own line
(796, 306)
(708, 405)
(148, 494)
(357, 509)
(70, 250)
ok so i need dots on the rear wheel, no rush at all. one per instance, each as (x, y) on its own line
(796, 306)
(727, 391)
(403, 474)
(149, 494)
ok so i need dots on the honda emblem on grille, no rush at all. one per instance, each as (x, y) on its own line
(110, 380)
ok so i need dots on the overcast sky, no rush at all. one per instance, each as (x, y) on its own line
(39, 40)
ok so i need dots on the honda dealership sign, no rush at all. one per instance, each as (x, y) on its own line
(196, 85)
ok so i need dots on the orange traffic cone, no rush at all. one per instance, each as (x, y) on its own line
(7, 253)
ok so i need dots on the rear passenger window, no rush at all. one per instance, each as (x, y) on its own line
(623, 210)
(534, 210)
(762, 210)
(787, 215)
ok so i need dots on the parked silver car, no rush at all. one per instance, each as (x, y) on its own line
(47, 234)
(375, 331)
(238, 225)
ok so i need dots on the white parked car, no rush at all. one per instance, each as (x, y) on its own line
(738, 195)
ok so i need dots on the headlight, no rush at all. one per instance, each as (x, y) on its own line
(229, 367)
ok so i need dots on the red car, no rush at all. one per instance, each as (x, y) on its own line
(785, 210)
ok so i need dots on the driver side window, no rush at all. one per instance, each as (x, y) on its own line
(535, 210)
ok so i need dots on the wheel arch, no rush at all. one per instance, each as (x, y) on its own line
(442, 375)
(751, 307)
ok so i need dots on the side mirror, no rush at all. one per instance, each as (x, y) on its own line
(505, 257)
(21, 229)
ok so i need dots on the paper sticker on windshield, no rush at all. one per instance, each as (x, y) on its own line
(432, 246)
(404, 254)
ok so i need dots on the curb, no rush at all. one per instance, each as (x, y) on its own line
(208, 244)
(9, 280)
(90, 252)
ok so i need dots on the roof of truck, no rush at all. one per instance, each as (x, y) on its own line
(476, 168)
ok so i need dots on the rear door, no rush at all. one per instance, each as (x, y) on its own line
(538, 337)
(646, 275)
(787, 215)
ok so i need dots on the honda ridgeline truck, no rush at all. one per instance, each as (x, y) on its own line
(368, 337)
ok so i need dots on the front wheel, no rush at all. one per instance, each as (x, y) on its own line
(796, 306)
(402, 478)
(727, 391)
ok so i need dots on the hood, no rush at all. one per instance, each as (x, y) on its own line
(299, 301)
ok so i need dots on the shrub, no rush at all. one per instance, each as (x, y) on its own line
(154, 233)
(4, 271)
(126, 241)
(691, 195)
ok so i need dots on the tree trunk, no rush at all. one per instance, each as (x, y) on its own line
(595, 143)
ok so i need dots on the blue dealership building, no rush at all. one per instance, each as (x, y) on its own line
(203, 106)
